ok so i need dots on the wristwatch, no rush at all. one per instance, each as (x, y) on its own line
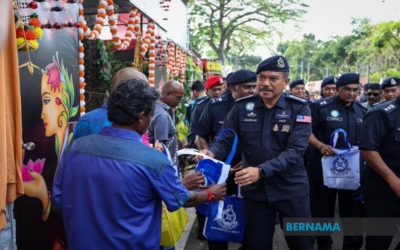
(262, 172)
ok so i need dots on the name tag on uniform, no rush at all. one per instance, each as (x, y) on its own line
(280, 113)
(334, 119)
(251, 120)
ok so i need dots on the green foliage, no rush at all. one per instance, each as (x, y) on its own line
(372, 49)
(227, 26)
(109, 64)
(377, 76)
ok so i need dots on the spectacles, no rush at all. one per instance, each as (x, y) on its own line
(374, 94)
(178, 97)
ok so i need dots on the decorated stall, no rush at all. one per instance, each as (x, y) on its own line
(51, 51)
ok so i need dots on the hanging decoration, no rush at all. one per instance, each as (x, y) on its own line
(152, 55)
(82, 82)
(28, 34)
(106, 8)
(171, 57)
(183, 67)
(161, 52)
(177, 66)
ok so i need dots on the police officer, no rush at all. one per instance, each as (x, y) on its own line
(373, 95)
(340, 111)
(241, 83)
(379, 145)
(298, 88)
(273, 129)
(214, 88)
(390, 88)
(328, 87)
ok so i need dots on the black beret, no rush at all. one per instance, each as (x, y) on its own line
(274, 63)
(296, 82)
(227, 77)
(374, 86)
(348, 78)
(365, 86)
(328, 80)
(390, 82)
(242, 76)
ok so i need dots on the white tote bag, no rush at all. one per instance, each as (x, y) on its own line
(342, 171)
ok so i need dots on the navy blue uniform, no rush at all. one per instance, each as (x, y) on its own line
(381, 133)
(328, 115)
(274, 139)
(198, 109)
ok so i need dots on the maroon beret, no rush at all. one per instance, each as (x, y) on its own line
(213, 81)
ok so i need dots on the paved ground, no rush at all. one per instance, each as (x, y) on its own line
(189, 240)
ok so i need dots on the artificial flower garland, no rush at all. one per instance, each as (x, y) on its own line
(106, 8)
(27, 35)
(171, 58)
(177, 66)
(183, 67)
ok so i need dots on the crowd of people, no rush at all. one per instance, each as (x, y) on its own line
(110, 184)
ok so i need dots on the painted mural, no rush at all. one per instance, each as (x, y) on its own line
(49, 113)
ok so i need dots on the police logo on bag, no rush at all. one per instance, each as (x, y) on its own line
(340, 166)
(228, 220)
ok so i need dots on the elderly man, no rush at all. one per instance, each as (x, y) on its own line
(390, 88)
(328, 87)
(109, 186)
(297, 88)
(95, 120)
(273, 130)
(341, 111)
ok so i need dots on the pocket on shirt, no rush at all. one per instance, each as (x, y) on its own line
(252, 137)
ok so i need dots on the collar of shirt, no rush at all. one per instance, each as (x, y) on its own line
(342, 105)
(281, 103)
(167, 108)
(121, 133)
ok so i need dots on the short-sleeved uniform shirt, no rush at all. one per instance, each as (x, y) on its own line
(381, 133)
(109, 187)
(328, 115)
(274, 139)
(162, 128)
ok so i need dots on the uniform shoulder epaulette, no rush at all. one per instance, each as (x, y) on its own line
(322, 102)
(203, 100)
(245, 98)
(292, 97)
(220, 99)
(388, 107)
(362, 105)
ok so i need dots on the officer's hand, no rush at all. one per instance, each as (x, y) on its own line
(327, 150)
(206, 152)
(194, 181)
(395, 186)
(247, 176)
(159, 146)
(236, 168)
(218, 191)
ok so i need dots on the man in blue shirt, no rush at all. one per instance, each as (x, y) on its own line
(109, 186)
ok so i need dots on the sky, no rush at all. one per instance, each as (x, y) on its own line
(327, 18)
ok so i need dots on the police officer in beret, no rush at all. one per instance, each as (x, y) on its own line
(298, 88)
(241, 83)
(390, 88)
(214, 88)
(341, 111)
(363, 95)
(328, 87)
(273, 130)
(379, 145)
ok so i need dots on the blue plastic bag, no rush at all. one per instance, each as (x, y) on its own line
(215, 172)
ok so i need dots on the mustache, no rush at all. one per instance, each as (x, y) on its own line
(266, 89)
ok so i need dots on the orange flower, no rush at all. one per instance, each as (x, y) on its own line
(81, 73)
(82, 85)
(34, 22)
(82, 109)
(110, 12)
(20, 32)
(81, 49)
(30, 35)
(82, 97)
(81, 61)
(80, 37)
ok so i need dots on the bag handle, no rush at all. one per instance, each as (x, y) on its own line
(232, 153)
(335, 135)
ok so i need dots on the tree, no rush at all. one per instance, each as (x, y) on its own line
(218, 22)
(387, 35)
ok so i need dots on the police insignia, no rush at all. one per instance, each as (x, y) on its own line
(275, 128)
(285, 128)
(250, 106)
(393, 82)
(340, 166)
(281, 63)
(335, 113)
(283, 113)
(251, 114)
